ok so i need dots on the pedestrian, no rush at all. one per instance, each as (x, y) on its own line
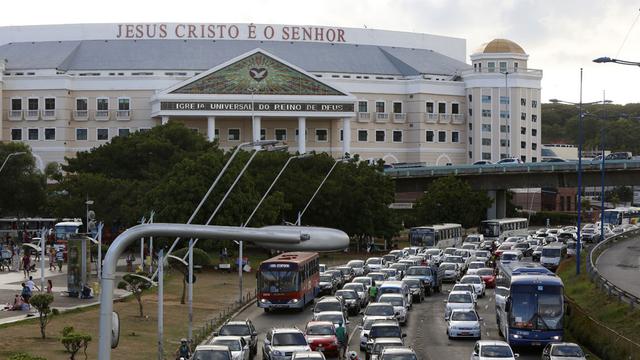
(32, 285)
(49, 286)
(26, 293)
(52, 258)
(373, 291)
(130, 259)
(183, 350)
(59, 259)
(26, 263)
(341, 334)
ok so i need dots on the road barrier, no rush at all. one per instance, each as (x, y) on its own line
(203, 334)
(603, 283)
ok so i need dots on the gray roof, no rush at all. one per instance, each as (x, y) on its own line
(202, 55)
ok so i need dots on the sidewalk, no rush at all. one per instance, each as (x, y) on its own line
(10, 285)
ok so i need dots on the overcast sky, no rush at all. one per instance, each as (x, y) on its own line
(560, 36)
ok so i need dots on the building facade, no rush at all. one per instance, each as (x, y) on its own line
(400, 97)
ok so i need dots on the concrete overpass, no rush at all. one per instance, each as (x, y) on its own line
(411, 183)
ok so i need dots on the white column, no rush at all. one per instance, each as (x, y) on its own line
(302, 135)
(346, 135)
(211, 128)
(256, 128)
(165, 120)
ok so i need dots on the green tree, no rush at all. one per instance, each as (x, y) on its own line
(53, 171)
(23, 185)
(200, 258)
(74, 341)
(450, 199)
(136, 284)
(42, 303)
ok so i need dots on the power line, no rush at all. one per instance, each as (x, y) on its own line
(628, 32)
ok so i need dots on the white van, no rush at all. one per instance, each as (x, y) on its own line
(396, 287)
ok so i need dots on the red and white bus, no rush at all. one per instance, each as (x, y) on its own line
(288, 281)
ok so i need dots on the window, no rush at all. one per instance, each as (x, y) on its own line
(397, 107)
(430, 136)
(534, 103)
(125, 132)
(523, 101)
(486, 141)
(50, 134)
(534, 132)
(123, 104)
(363, 106)
(491, 66)
(523, 130)
(534, 146)
(455, 137)
(504, 100)
(263, 134)
(486, 127)
(16, 104)
(442, 108)
(322, 135)
(503, 66)
(569, 203)
(480, 67)
(430, 107)
(470, 140)
(534, 118)
(470, 97)
(470, 154)
(102, 134)
(33, 103)
(233, 135)
(380, 106)
(341, 134)
(363, 135)
(470, 112)
(515, 67)
(281, 134)
(504, 142)
(33, 134)
(16, 134)
(470, 126)
(455, 108)
(81, 134)
(504, 128)
(102, 104)
(523, 144)
(380, 135)
(397, 136)
(534, 159)
(523, 158)
(523, 116)
(486, 113)
(486, 99)
(49, 104)
(504, 114)
(442, 136)
(486, 156)
(81, 104)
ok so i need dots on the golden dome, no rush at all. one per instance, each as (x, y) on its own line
(500, 46)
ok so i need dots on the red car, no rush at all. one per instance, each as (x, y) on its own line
(321, 336)
(502, 248)
(488, 276)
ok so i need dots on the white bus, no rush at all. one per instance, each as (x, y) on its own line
(11, 225)
(622, 216)
(66, 227)
(500, 229)
(439, 235)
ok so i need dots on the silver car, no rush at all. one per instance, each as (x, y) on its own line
(563, 351)
(458, 300)
(464, 323)
(239, 348)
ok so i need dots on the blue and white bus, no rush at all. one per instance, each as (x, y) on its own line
(440, 235)
(622, 216)
(534, 309)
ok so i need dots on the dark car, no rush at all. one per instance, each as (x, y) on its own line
(618, 156)
(524, 247)
(242, 328)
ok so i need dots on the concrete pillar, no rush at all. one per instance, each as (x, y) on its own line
(302, 135)
(491, 210)
(346, 135)
(501, 204)
(1, 101)
(255, 128)
(211, 128)
(165, 120)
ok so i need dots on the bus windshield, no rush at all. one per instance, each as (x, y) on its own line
(490, 229)
(62, 231)
(551, 252)
(425, 271)
(536, 307)
(278, 281)
(612, 217)
(422, 236)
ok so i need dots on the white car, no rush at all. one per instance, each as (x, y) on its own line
(400, 305)
(236, 344)
(374, 264)
(468, 288)
(308, 355)
(357, 266)
(510, 161)
(492, 349)
(278, 342)
(476, 282)
(563, 351)
(458, 300)
(501, 296)
(336, 317)
(464, 323)
(360, 289)
(366, 327)
(211, 352)
(364, 280)
(475, 265)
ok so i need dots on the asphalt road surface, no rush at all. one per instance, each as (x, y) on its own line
(425, 329)
(620, 264)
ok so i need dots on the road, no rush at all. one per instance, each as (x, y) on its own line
(425, 329)
(620, 264)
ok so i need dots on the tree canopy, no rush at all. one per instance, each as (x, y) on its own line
(23, 185)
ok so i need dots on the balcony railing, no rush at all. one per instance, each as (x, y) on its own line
(457, 119)
(431, 118)
(399, 117)
(123, 115)
(80, 115)
(364, 117)
(102, 115)
(32, 114)
(382, 117)
(49, 114)
(444, 118)
(15, 115)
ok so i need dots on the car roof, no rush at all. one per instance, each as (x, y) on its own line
(462, 310)
(470, 275)
(319, 322)
(398, 350)
(457, 292)
(388, 340)
(237, 322)
(491, 342)
(391, 295)
(212, 347)
(329, 298)
(329, 313)
(286, 330)
(385, 323)
(226, 337)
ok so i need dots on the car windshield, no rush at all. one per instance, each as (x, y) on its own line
(325, 278)
(432, 252)
(423, 271)
(320, 330)
(476, 265)
(235, 330)
(233, 345)
(500, 291)
(496, 351)
(571, 245)
(464, 316)
(509, 257)
(354, 287)
(278, 281)
(355, 264)
(364, 281)
(334, 318)
(448, 266)
(393, 300)
(378, 347)
(461, 287)
(484, 272)
(379, 310)
(374, 261)
(566, 350)
(327, 306)
(471, 280)
(347, 294)
(505, 247)
(376, 277)
(289, 339)
(413, 283)
(462, 253)
(385, 331)
(399, 357)
(551, 252)
(460, 298)
(211, 355)
(522, 246)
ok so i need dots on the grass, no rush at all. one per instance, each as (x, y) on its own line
(596, 304)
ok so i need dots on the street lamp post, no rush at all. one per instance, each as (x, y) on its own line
(10, 155)
(606, 59)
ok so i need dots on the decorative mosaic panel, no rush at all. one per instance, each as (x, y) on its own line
(258, 74)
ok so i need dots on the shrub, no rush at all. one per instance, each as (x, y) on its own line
(42, 303)
(74, 341)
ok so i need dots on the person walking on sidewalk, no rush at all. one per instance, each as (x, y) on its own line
(26, 293)
(59, 259)
(26, 263)
(52, 258)
(32, 285)
(341, 334)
